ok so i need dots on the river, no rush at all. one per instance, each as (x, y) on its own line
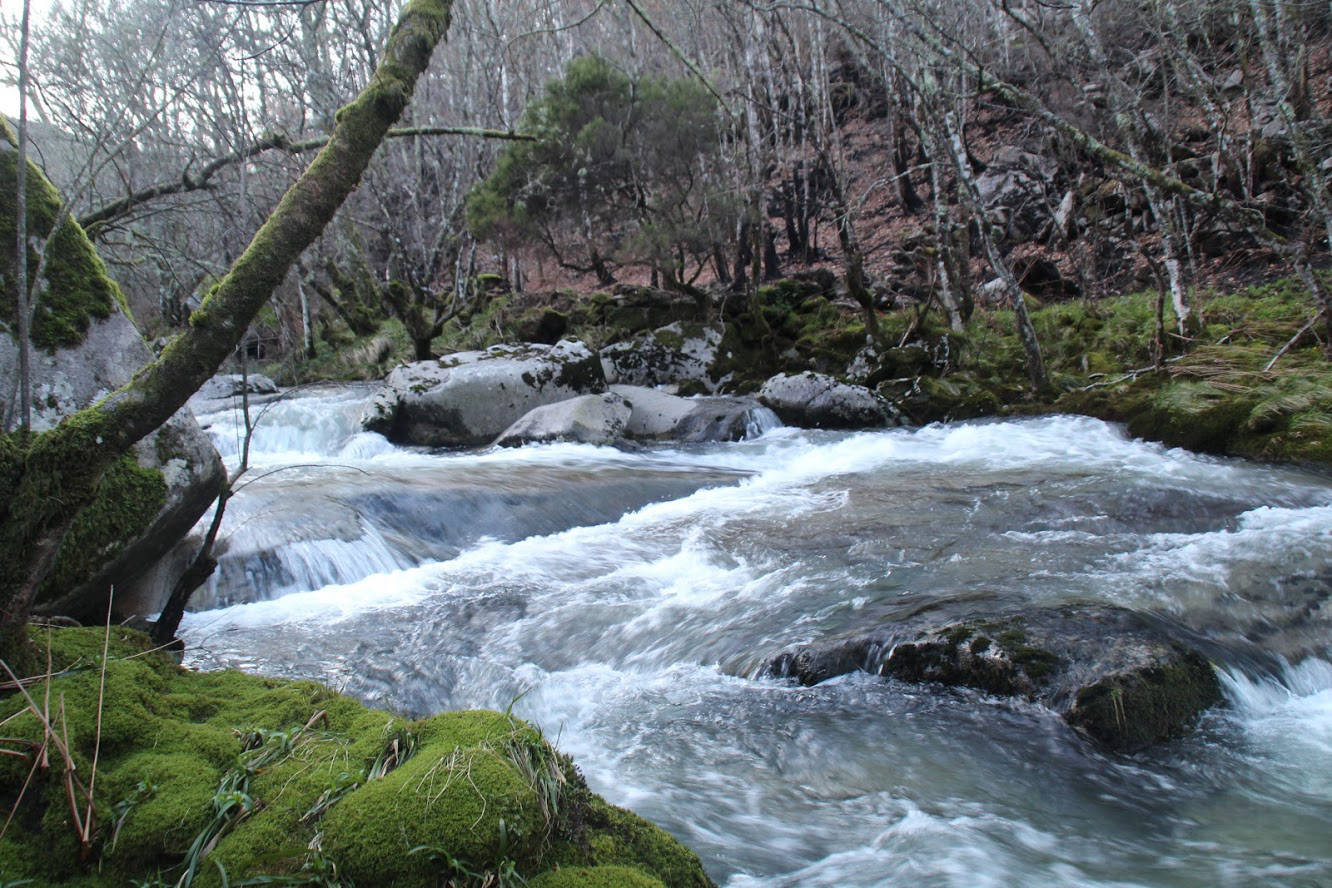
(623, 601)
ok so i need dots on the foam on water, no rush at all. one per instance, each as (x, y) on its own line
(317, 425)
(623, 640)
(1286, 721)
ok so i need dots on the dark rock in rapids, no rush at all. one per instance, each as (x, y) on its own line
(1123, 679)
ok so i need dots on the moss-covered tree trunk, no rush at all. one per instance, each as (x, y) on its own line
(45, 478)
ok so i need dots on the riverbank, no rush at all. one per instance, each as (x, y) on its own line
(161, 775)
(1251, 379)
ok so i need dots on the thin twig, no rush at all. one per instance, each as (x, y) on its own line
(1296, 338)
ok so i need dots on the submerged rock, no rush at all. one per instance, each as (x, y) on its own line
(469, 398)
(588, 419)
(815, 400)
(1121, 678)
(312, 782)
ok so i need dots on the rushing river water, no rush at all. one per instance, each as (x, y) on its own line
(623, 601)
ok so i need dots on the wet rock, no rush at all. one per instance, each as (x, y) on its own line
(814, 400)
(1123, 679)
(469, 398)
(677, 354)
(589, 419)
(660, 416)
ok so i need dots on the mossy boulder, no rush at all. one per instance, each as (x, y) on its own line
(1123, 679)
(226, 776)
(75, 290)
(675, 355)
(85, 345)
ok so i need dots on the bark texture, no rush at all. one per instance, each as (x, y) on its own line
(45, 478)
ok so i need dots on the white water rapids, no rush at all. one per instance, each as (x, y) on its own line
(623, 601)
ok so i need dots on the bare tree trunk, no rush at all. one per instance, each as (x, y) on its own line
(1026, 332)
(52, 475)
(21, 227)
(952, 291)
(307, 332)
(1128, 107)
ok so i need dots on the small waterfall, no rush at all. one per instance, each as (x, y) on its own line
(251, 569)
(322, 424)
(759, 421)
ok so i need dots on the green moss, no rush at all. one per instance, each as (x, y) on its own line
(479, 790)
(1136, 709)
(1195, 415)
(128, 499)
(595, 877)
(76, 289)
(619, 838)
(955, 635)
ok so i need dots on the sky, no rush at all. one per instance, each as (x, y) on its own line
(11, 10)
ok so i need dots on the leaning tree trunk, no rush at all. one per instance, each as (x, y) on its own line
(46, 478)
(1025, 330)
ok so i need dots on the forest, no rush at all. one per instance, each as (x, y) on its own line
(320, 310)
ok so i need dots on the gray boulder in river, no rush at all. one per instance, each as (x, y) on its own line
(587, 419)
(84, 346)
(815, 400)
(469, 398)
(659, 416)
(1124, 679)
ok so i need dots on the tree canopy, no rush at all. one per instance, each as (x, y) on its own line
(619, 173)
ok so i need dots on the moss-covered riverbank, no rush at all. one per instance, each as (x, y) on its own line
(1213, 391)
(1216, 391)
(226, 778)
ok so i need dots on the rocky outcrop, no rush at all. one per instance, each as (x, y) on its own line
(1017, 189)
(632, 309)
(470, 398)
(659, 416)
(85, 346)
(814, 400)
(1123, 679)
(588, 419)
(676, 354)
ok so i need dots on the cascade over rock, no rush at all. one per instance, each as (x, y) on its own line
(469, 398)
(815, 400)
(1121, 678)
(84, 346)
